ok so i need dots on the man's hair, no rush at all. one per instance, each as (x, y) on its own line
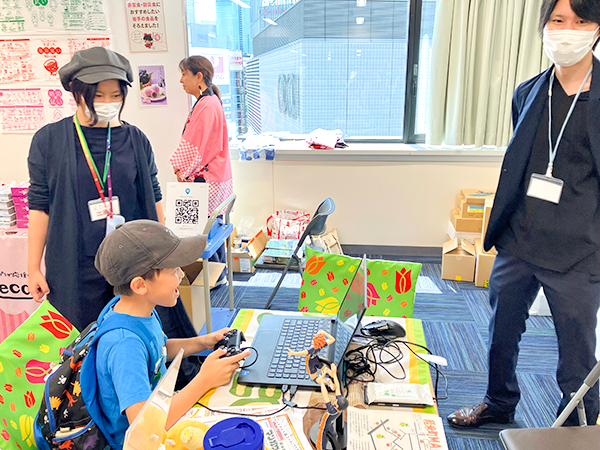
(586, 9)
(125, 289)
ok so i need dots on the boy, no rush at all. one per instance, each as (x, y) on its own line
(142, 260)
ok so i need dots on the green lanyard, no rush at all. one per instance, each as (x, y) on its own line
(90, 159)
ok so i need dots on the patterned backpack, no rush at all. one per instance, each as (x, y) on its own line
(63, 421)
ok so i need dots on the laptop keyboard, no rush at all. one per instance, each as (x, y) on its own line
(296, 334)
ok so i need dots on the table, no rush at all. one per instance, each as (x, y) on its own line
(16, 304)
(236, 395)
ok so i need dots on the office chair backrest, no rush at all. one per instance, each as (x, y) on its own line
(317, 224)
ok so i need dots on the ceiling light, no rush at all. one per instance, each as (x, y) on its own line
(361, 3)
(360, 20)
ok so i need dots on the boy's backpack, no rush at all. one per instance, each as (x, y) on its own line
(63, 421)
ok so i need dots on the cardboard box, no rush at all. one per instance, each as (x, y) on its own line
(489, 203)
(475, 196)
(485, 262)
(462, 235)
(458, 261)
(191, 289)
(468, 224)
(466, 210)
(245, 258)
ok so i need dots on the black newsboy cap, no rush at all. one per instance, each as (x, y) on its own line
(94, 65)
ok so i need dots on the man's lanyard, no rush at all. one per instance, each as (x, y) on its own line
(552, 151)
(94, 170)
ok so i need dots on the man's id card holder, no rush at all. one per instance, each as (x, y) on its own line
(545, 188)
(98, 208)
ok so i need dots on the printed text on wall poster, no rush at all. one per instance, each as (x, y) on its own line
(29, 109)
(33, 16)
(146, 26)
(39, 58)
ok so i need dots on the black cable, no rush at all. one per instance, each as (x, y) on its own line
(255, 359)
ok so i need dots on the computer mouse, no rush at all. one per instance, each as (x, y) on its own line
(387, 328)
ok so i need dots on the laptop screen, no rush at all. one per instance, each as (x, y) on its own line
(351, 311)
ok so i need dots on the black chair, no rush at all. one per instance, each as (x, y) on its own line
(558, 437)
(315, 227)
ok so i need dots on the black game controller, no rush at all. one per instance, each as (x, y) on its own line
(232, 340)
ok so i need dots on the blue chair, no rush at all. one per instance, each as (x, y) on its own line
(315, 227)
(217, 231)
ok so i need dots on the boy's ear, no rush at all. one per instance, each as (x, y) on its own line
(138, 286)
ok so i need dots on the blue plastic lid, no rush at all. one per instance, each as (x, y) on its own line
(233, 434)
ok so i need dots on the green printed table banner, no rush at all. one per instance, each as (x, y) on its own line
(26, 357)
(390, 284)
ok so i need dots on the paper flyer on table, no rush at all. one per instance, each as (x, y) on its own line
(283, 431)
(391, 430)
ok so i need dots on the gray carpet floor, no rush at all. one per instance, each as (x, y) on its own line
(455, 317)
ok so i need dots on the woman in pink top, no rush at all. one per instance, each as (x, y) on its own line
(203, 152)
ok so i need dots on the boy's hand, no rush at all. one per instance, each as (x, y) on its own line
(217, 371)
(209, 341)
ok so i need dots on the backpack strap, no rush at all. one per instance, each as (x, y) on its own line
(89, 378)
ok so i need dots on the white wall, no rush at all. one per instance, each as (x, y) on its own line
(162, 124)
(377, 203)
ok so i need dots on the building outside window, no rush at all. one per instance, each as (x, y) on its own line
(360, 66)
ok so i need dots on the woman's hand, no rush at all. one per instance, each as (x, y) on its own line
(217, 371)
(38, 287)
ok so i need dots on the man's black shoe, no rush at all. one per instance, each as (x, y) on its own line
(476, 415)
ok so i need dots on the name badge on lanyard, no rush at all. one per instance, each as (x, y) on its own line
(546, 187)
(101, 208)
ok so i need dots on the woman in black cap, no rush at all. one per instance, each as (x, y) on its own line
(87, 172)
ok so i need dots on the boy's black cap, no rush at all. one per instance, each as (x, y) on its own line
(139, 246)
(94, 65)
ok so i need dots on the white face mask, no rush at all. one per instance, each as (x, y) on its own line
(105, 111)
(567, 47)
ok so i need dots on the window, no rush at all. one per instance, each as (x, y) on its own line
(297, 65)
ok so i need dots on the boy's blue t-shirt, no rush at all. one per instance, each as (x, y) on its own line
(122, 368)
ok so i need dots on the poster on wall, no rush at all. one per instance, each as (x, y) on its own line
(37, 59)
(153, 88)
(146, 26)
(28, 109)
(43, 16)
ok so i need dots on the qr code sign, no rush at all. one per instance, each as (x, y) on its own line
(186, 211)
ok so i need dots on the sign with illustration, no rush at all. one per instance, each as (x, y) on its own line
(146, 26)
(153, 87)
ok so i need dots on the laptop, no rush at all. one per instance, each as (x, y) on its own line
(147, 430)
(278, 333)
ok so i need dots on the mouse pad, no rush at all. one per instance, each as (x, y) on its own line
(326, 279)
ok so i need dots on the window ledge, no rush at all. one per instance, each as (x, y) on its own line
(298, 151)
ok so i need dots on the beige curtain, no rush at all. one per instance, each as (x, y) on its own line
(482, 50)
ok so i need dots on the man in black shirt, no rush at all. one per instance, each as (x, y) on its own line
(546, 217)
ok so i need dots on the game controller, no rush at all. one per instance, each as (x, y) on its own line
(232, 340)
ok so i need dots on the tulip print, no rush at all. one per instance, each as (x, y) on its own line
(17, 353)
(314, 264)
(404, 304)
(13, 408)
(5, 435)
(36, 371)
(358, 286)
(26, 425)
(387, 312)
(372, 295)
(335, 289)
(304, 309)
(313, 282)
(403, 281)
(57, 325)
(384, 286)
(345, 281)
(303, 294)
(384, 272)
(30, 336)
(8, 387)
(390, 298)
(330, 276)
(329, 305)
(29, 399)
(44, 348)
(1, 400)
(321, 292)
(340, 263)
(347, 313)
(18, 372)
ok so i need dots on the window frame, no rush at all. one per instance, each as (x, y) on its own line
(409, 136)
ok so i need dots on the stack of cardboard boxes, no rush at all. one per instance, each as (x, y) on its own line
(463, 256)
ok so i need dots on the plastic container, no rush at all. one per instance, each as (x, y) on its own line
(236, 433)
